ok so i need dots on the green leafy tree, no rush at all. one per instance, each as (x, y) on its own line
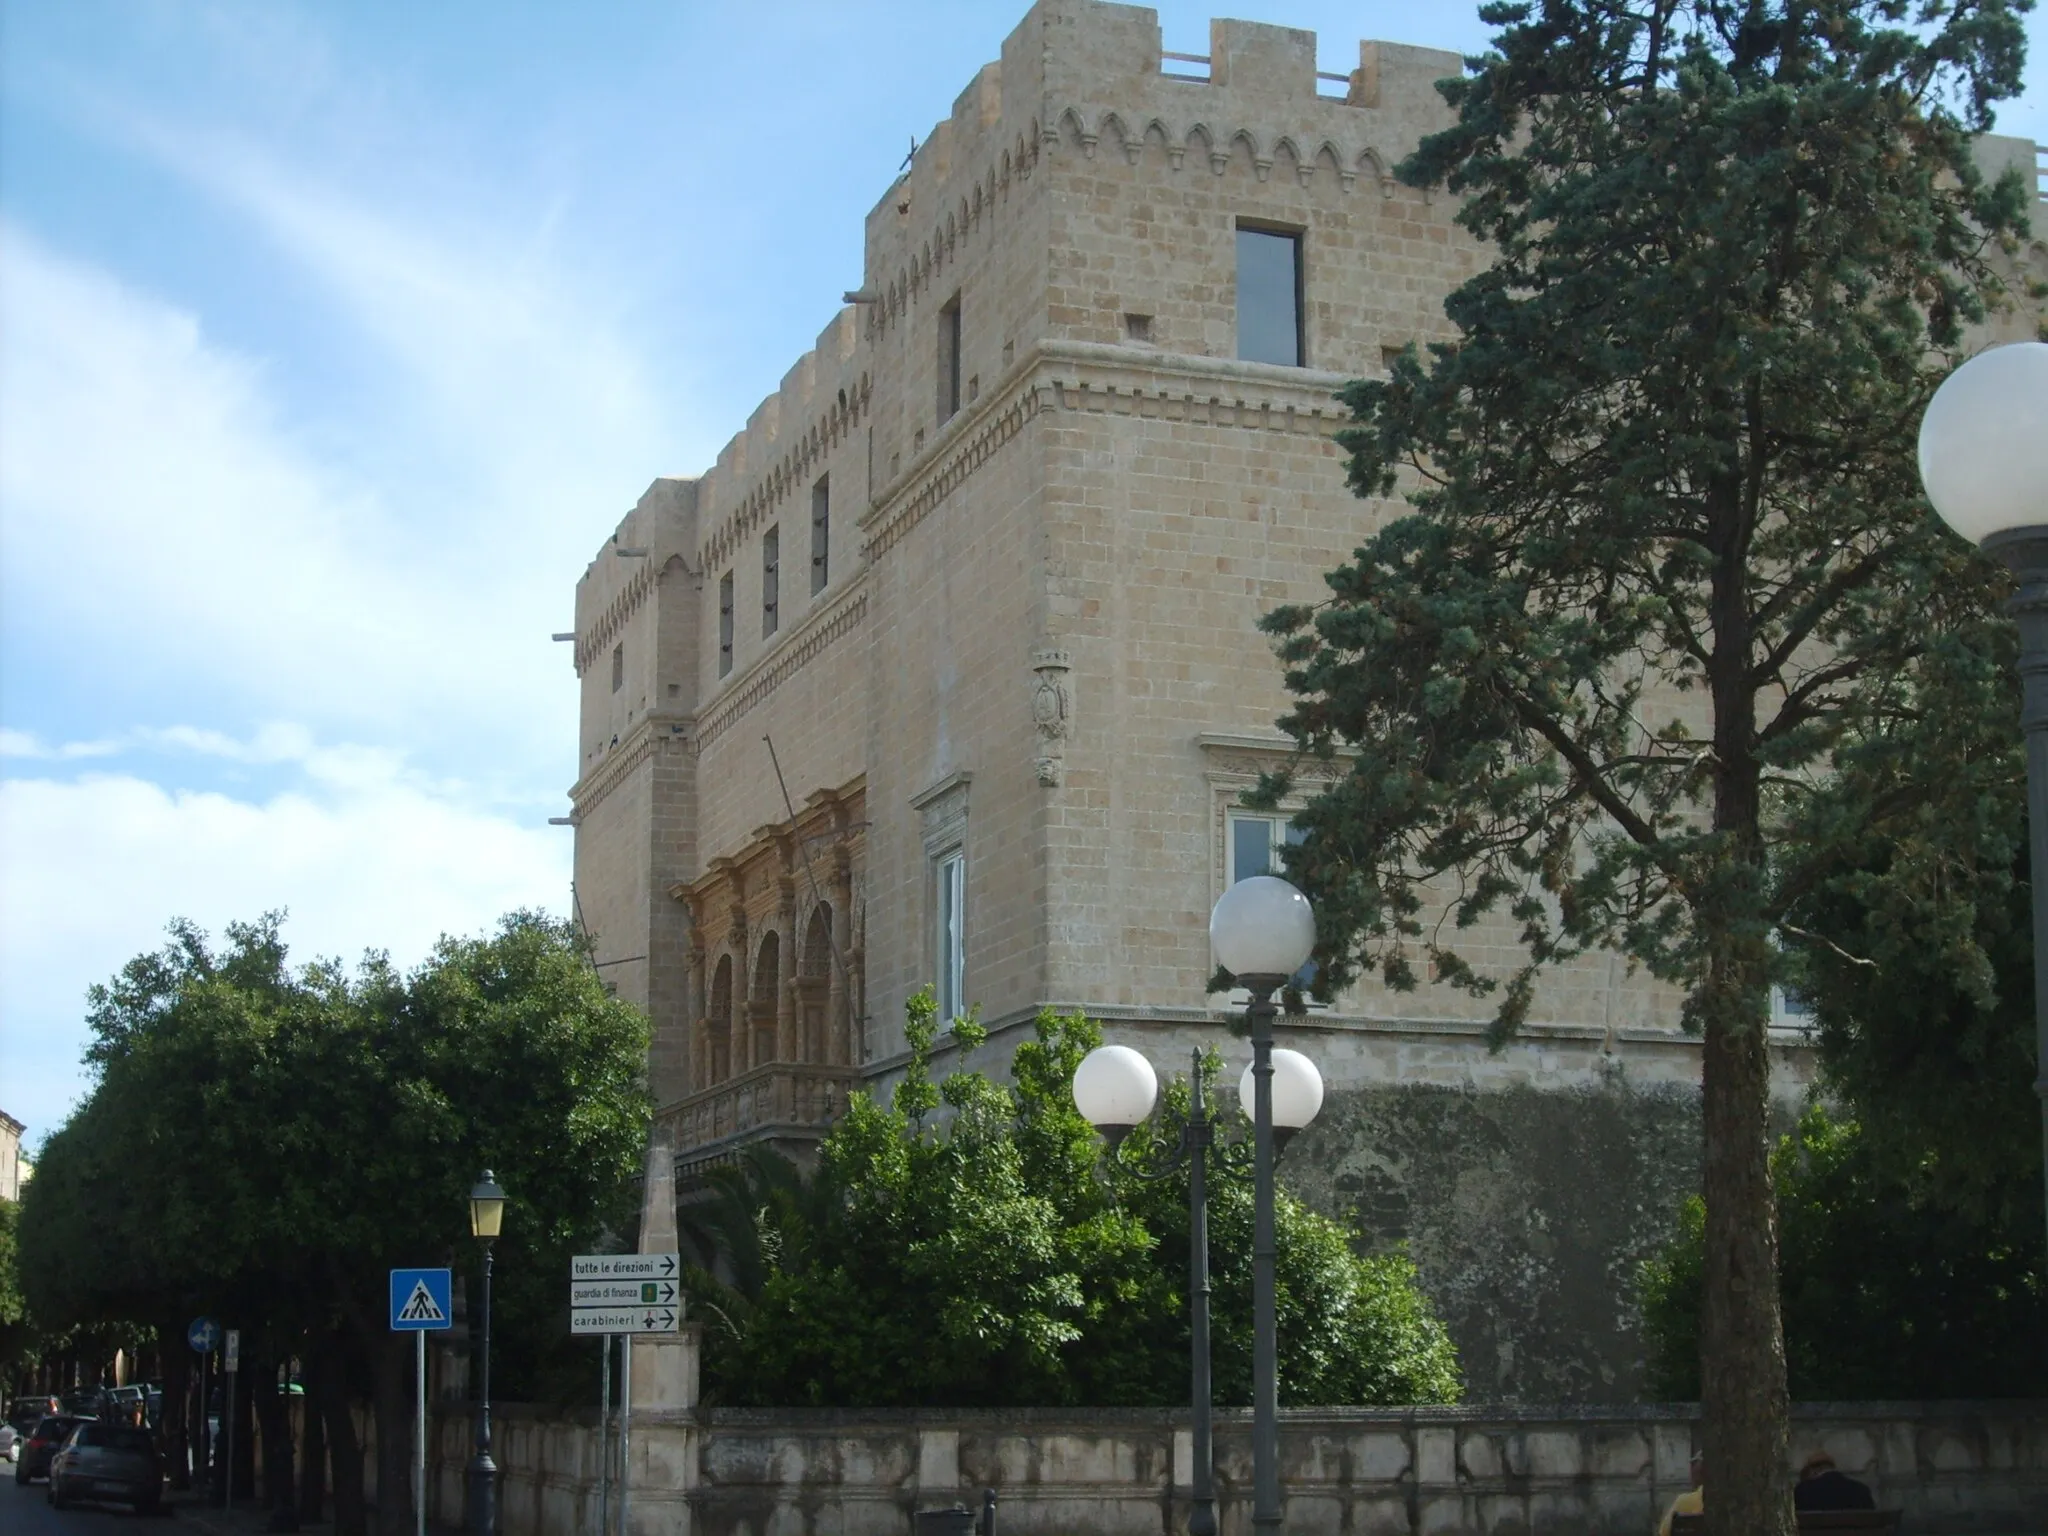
(265, 1143)
(968, 1245)
(1912, 930)
(1888, 1294)
(1667, 532)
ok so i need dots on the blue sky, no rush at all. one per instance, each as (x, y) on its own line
(333, 340)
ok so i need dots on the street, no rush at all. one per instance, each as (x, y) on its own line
(25, 1511)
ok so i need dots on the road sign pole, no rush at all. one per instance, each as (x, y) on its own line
(200, 1438)
(604, 1441)
(228, 1406)
(419, 1435)
(625, 1434)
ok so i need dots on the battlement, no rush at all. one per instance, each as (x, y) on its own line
(1094, 76)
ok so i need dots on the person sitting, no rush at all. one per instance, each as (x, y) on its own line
(1822, 1485)
(1691, 1502)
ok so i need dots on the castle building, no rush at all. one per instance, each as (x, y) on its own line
(947, 672)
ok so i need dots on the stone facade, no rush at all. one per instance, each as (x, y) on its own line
(985, 571)
(13, 1171)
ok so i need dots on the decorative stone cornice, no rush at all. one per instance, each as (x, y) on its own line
(592, 643)
(1214, 145)
(795, 468)
(654, 733)
(822, 628)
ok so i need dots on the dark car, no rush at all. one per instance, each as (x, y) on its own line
(108, 1463)
(44, 1441)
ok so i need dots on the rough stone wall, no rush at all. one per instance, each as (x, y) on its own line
(1951, 1467)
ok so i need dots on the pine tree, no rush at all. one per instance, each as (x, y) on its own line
(1667, 535)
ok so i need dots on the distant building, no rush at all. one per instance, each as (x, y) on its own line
(987, 568)
(13, 1171)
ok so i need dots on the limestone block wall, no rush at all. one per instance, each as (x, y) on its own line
(1952, 1467)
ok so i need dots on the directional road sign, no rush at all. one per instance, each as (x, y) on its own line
(626, 1320)
(203, 1334)
(623, 1293)
(422, 1298)
(624, 1266)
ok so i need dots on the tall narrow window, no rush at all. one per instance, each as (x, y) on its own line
(1269, 296)
(618, 667)
(950, 908)
(821, 534)
(725, 624)
(949, 359)
(771, 581)
(1254, 849)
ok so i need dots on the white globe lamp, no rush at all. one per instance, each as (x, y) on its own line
(1297, 1093)
(1263, 930)
(1115, 1089)
(1984, 443)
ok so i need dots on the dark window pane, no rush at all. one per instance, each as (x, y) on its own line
(771, 581)
(949, 359)
(821, 535)
(725, 624)
(1251, 847)
(1269, 297)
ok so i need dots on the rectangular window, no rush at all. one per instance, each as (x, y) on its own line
(618, 667)
(821, 534)
(949, 359)
(1790, 1009)
(725, 624)
(1254, 848)
(950, 908)
(1269, 296)
(771, 581)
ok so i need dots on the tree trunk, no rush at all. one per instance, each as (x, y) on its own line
(344, 1450)
(313, 1450)
(173, 1431)
(273, 1405)
(391, 1373)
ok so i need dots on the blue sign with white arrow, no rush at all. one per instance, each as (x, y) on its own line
(422, 1298)
(203, 1334)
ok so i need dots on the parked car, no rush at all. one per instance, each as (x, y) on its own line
(108, 1463)
(22, 1416)
(44, 1441)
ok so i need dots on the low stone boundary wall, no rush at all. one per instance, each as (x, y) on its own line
(1507, 1471)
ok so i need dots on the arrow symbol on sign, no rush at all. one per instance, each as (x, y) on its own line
(668, 1264)
(668, 1292)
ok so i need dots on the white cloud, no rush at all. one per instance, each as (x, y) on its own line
(364, 853)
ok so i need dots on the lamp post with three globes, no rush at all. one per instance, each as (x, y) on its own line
(1262, 930)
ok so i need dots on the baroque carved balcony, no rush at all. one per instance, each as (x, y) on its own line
(790, 1103)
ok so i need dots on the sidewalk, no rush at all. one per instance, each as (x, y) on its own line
(248, 1517)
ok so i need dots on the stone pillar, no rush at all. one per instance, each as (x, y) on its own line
(842, 997)
(666, 1377)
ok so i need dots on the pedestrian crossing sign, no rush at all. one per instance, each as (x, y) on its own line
(421, 1298)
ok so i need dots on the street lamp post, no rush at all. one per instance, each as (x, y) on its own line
(486, 1216)
(1984, 461)
(1263, 931)
(1115, 1090)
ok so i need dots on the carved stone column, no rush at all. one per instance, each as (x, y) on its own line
(1052, 705)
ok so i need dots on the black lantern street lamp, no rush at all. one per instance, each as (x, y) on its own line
(1984, 461)
(1115, 1090)
(1263, 931)
(486, 1216)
